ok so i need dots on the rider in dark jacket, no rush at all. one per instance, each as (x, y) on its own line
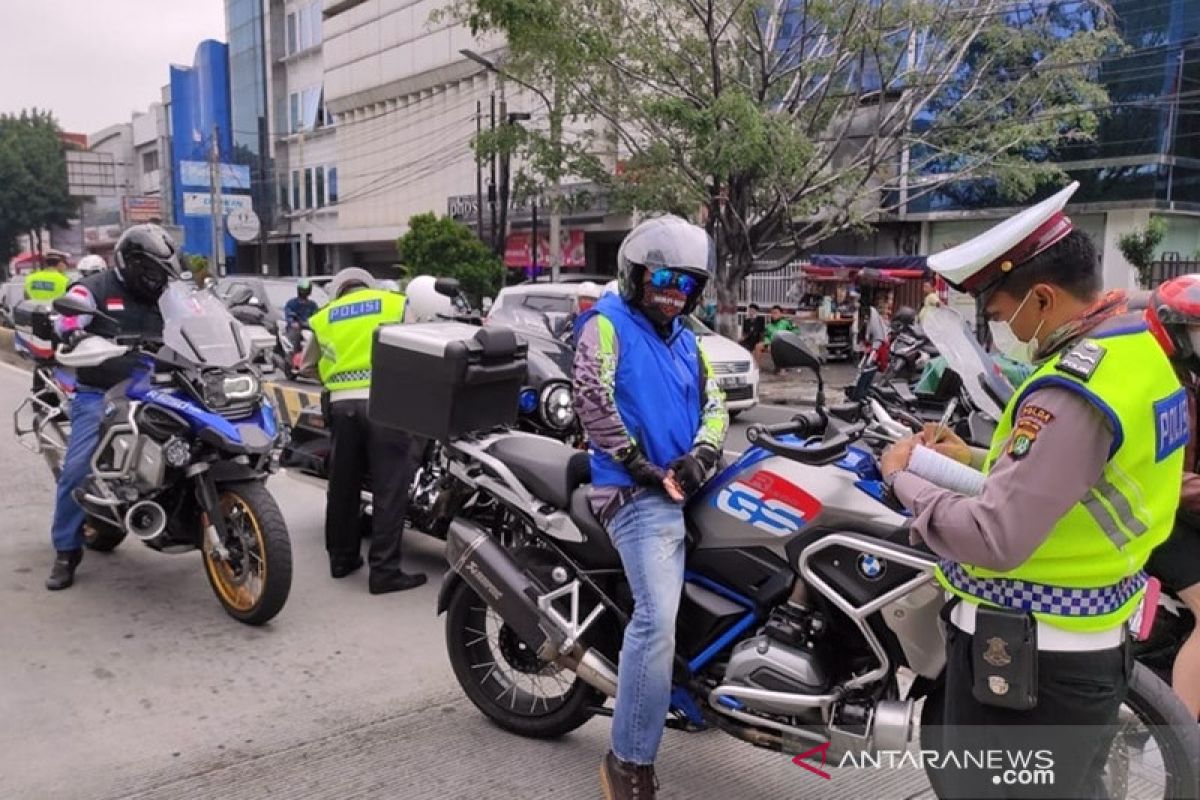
(126, 298)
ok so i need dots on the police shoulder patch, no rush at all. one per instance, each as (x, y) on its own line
(1082, 360)
(1023, 437)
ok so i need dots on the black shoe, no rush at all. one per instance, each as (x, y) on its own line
(622, 781)
(62, 574)
(341, 567)
(395, 583)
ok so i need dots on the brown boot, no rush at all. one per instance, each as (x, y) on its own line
(622, 781)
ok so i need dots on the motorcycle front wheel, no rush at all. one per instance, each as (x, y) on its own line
(505, 679)
(253, 582)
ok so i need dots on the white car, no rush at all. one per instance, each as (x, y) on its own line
(542, 304)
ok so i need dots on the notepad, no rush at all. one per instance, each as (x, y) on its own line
(945, 472)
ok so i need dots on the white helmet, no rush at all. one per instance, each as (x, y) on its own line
(91, 264)
(586, 295)
(423, 303)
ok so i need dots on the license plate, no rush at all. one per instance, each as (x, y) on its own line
(732, 381)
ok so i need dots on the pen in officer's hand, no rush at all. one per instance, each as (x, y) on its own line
(945, 420)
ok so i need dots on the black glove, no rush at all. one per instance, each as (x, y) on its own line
(644, 471)
(691, 470)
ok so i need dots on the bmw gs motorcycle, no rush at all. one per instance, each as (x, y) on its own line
(186, 446)
(803, 603)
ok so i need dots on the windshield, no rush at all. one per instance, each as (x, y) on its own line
(539, 311)
(197, 326)
(948, 331)
(696, 326)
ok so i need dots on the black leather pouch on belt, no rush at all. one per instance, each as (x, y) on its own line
(326, 411)
(1004, 658)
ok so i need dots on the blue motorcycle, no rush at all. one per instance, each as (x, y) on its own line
(185, 449)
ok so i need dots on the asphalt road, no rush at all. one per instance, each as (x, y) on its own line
(135, 684)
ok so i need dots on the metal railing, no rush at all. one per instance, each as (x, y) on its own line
(1168, 268)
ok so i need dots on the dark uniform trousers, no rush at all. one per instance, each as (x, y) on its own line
(1079, 696)
(358, 443)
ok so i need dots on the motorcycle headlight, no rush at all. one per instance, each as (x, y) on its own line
(222, 390)
(558, 406)
(239, 388)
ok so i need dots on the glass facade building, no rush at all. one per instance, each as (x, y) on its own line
(246, 30)
(1147, 149)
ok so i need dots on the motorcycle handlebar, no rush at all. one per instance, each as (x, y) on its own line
(824, 452)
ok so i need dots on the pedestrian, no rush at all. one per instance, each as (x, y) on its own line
(653, 444)
(932, 298)
(754, 327)
(49, 282)
(340, 354)
(1174, 317)
(1082, 482)
(146, 259)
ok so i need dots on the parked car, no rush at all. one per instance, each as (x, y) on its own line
(549, 306)
(12, 292)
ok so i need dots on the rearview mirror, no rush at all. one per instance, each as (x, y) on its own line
(70, 306)
(447, 287)
(788, 350)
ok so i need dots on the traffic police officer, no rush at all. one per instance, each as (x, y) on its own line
(50, 281)
(1083, 474)
(341, 353)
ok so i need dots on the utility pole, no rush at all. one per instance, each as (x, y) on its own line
(214, 198)
(534, 243)
(478, 172)
(492, 183)
(556, 186)
(502, 233)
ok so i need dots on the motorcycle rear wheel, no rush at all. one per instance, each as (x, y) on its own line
(254, 582)
(505, 680)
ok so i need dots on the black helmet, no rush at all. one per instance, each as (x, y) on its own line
(666, 242)
(904, 315)
(146, 258)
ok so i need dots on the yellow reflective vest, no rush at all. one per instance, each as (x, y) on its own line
(345, 328)
(1087, 574)
(46, 285)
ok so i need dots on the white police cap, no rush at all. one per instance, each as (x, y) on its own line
(978, 264)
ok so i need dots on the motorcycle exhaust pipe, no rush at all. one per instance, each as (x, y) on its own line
(491, 572)
(146, 520)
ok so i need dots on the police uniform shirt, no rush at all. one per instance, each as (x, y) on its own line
(1063, 449)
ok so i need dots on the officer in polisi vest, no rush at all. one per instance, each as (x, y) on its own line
(1044, 567)
(50, 281)
(655, 420)
(341, 353)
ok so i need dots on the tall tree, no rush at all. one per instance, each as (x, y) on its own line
(33, 177)
(445, 248)
(779, 123)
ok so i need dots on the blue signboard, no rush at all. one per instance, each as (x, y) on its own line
(200, 108)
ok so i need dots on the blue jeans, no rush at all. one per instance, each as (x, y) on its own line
(649, 534)
(87, 408)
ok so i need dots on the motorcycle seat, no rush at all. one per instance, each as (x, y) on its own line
(596, 550)
(548, 468)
